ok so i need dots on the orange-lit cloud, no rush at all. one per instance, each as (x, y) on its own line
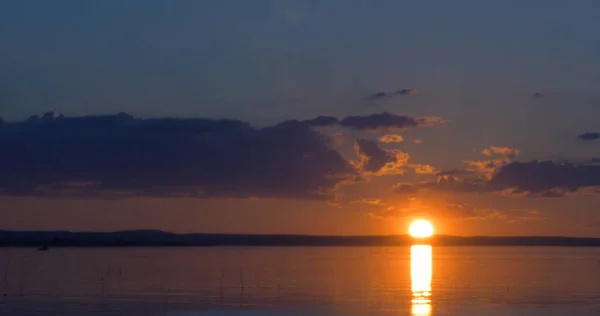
(374, 160)
(500, 151)
(422, 168)
(486, 168)
(391, 138)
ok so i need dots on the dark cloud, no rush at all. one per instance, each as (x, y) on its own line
(588, 136)
(386, 121)
(406, 91)
(545, 178)
(528, 179)
(117, 155)
(375, 160)
(322, 121)
(385, 95)
(374, 157)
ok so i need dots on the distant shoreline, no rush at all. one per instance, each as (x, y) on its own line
(152, 238)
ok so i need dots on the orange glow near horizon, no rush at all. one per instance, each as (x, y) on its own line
(421, 229)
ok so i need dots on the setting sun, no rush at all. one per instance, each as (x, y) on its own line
(420, 229)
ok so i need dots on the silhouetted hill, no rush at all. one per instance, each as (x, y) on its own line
(160, 239)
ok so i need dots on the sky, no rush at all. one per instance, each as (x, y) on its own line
(300, 117)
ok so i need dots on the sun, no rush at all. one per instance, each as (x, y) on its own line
(420, 229)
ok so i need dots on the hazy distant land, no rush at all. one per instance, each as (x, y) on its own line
(164, 239)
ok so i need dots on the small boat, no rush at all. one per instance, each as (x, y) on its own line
(43, 248)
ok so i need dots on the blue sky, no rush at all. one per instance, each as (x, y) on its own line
(473, 63)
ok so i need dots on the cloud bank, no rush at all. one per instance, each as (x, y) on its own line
(117, 155)
(120, 156)
(530, 179)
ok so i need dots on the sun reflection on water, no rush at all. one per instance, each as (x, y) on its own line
(420, 275)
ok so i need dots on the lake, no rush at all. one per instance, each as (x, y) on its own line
(248, 281)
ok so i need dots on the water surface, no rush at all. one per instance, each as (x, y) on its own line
(301, 281)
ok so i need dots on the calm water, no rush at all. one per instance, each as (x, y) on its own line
(301, 281)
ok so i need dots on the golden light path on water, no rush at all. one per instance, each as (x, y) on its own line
(420, 275)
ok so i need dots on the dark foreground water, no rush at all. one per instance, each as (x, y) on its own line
(301, 281)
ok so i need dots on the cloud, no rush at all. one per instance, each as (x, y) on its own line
(527, 179)
(386, 122)
(391, 138)
(422, 168)
(406, 91)
(322, 121)
(374, 160)
(417, 141)
(588, 136)
(545, 178)
(117, 155)
(500, 151)
(486, 168)
(378, 96)
(374, 122)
